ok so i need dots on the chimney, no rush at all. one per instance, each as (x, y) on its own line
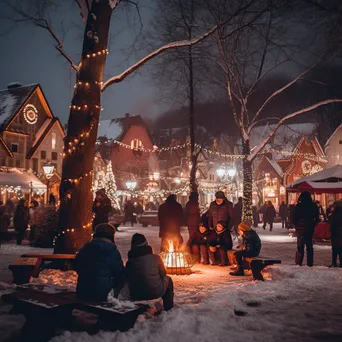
(127, 115)
(14, 85)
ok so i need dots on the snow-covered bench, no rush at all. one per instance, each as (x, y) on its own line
(30, 265)
(256, 264)
(48, 308)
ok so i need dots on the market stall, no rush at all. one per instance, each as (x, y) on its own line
(327, 184)
(16, 183)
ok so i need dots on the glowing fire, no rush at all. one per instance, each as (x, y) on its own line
(177, 261)
(174, 259)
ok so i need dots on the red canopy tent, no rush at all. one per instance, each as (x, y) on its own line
(328, 181)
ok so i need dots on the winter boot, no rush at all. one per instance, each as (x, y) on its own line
(309, 257)
(299, 258)
(238, 272)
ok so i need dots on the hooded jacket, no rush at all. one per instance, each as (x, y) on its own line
(199, 238)
(223, 239)
(100, 269)
(306, 216)
(145, 273)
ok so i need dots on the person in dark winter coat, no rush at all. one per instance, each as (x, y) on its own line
(10, 207)
(283, 212)
(21, 220)
(336, 233)
(5, 222)
(237, 213)
(52, 200)
(102, 207)
(146, 274)
(269, 215)
(99, 266)
(170, 216)
(34, 219)
(250, 247)
(220, 241)
(198, 242)
(221, 210)
(129, 213)
(255, 216)
(306, 216)
(321, 212)
(192, 214)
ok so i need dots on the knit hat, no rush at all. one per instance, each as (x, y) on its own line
(138, 240)
(101, 192)
(244, 226)
(204, 221)
(220, 194)
(104, 230)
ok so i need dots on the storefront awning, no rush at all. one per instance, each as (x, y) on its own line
(27, 181)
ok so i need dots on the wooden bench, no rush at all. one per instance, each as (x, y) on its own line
(47, 308)
(256, 264)
(30, 265)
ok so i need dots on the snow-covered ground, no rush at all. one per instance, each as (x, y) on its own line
(293, 304)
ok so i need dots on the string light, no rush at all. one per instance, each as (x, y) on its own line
(87, 84)
(70, 230)
(98, 53)
(84, 107)
(77, 180)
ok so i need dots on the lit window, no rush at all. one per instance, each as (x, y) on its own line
(136, 143)
(54, 140)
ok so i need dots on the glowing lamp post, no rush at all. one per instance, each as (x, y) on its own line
(48, 172)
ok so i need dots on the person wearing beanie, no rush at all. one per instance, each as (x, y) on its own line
(102, 207)
(99, 266)
(220, 241)
(146, 274)
(250, 247)
(221, 210)
(198, 242)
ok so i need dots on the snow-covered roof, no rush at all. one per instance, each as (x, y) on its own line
(20, 177)
(41, 130)
(276, 166)
(332, 174)
(286, 137)
(109, 129)
(335, 132)
(11, 100)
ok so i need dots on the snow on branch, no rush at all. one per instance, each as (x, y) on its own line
(263, 142)
(280, 90)
(173, 45)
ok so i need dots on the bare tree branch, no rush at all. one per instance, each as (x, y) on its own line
(130, 70)
(285, 118)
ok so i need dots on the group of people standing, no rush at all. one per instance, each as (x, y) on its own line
(210, 236)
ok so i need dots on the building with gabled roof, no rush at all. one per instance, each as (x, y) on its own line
(333, 148)
(30, 135)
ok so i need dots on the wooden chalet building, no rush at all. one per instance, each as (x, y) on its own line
(286, 159)
(30, 135)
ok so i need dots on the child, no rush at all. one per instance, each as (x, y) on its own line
(198, 242)
(220, 241)
(250, 247)
(336, 233)
(99, 266)
(146, 274)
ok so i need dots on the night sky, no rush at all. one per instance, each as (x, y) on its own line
(28, 56)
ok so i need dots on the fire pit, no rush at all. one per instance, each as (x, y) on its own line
(177, 262)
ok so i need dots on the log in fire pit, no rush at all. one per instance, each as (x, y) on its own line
(176, 261)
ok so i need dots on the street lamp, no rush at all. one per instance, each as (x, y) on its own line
(131, 185)
(48, 172)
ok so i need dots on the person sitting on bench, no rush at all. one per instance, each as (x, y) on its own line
(99, 266)
(146, 274)
(198, 242)
(220, 241)
(250, 247)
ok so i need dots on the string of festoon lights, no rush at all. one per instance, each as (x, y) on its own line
(310, 156)
(155, 193)
(98, 53)
(71, 230)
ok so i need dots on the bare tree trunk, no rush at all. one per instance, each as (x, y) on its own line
(193, 181)
(247, 213)
(75, 218)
